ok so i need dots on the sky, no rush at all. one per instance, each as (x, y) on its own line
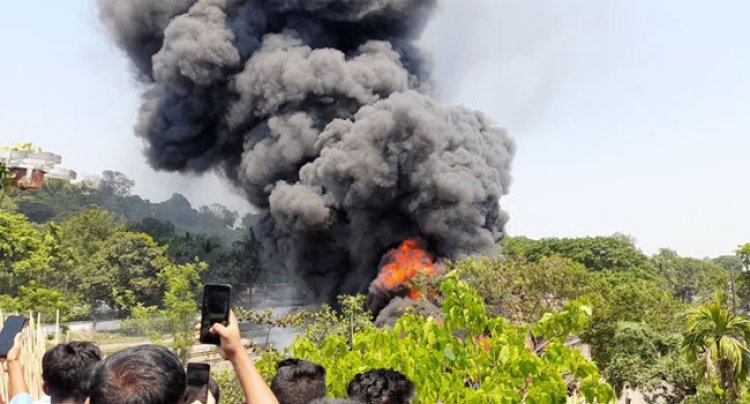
(630, 116)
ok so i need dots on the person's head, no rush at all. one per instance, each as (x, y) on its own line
(298, 381)
(381, 386)
(138, 375)
(328, 400)
(64, 368)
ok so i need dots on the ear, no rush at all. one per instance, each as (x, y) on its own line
(45, 388)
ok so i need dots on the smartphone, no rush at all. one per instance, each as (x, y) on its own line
(215, 309)
(197, 382)
(13, 325)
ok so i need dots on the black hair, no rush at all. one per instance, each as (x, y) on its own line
(298, 381)
(64, 368)
(381, 386)
(145, 374)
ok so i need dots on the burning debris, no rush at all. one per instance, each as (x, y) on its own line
(319, 111)
(398, 268)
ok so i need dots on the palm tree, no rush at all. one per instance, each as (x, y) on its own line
(716, 340)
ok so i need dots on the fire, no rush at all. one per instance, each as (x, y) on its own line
(400, 265)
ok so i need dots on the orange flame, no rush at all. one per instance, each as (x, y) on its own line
(402, 264)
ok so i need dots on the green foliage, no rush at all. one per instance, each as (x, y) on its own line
(522, 290)
(716, 341)
(58, 199)
(467, 356)
(691, 279)
(230, 390)
(614, 253)
(6, 176)
(618, 297)
(128, 269)
(87, 261)
(648, 360)
(743, 252)
(176, 317)
(344, 323)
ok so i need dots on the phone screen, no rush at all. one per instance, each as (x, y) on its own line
(197, 382)
(13, 325)
(216, 301)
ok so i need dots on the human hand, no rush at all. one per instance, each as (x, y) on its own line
(231, 344)
(15, 352)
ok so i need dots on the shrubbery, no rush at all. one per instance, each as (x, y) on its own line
(466, 355)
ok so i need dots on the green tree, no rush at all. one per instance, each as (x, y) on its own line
(5, 178)
(172, 323)
(743, 252)
(127, 271)
(115, 183)
(691, 279)
(31, 266)
(614, 253)
(523, 290)
(163, 232)
(626, 297)
(649, 361)
(716, 340)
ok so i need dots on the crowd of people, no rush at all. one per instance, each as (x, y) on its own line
(77, 373)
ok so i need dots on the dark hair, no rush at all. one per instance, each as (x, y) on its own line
(298, 381)
(381, 386)
(145, 374)
(328, 400)
(65, 366)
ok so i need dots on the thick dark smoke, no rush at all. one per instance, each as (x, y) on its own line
(319, 110)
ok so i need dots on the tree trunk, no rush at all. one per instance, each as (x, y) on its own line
(728, 383)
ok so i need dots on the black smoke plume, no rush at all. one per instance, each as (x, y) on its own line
(319, 110)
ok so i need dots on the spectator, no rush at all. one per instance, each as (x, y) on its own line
(298, 381)
(146, 374)
(63, 370)
(18, 391)
(381, 386)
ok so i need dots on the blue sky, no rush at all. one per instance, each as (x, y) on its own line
(630, 116)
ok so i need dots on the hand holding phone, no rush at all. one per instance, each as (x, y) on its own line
(12, 327)
(216, 301)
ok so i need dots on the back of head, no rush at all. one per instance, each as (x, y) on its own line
(298, 381)
(381, 386)
(146, 374)
(328, 400)
(64, 368)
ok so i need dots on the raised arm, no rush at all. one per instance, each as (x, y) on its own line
(255, 388)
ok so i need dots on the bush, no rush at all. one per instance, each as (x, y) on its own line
(466, 355)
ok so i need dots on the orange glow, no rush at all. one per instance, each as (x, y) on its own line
(402, 264)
